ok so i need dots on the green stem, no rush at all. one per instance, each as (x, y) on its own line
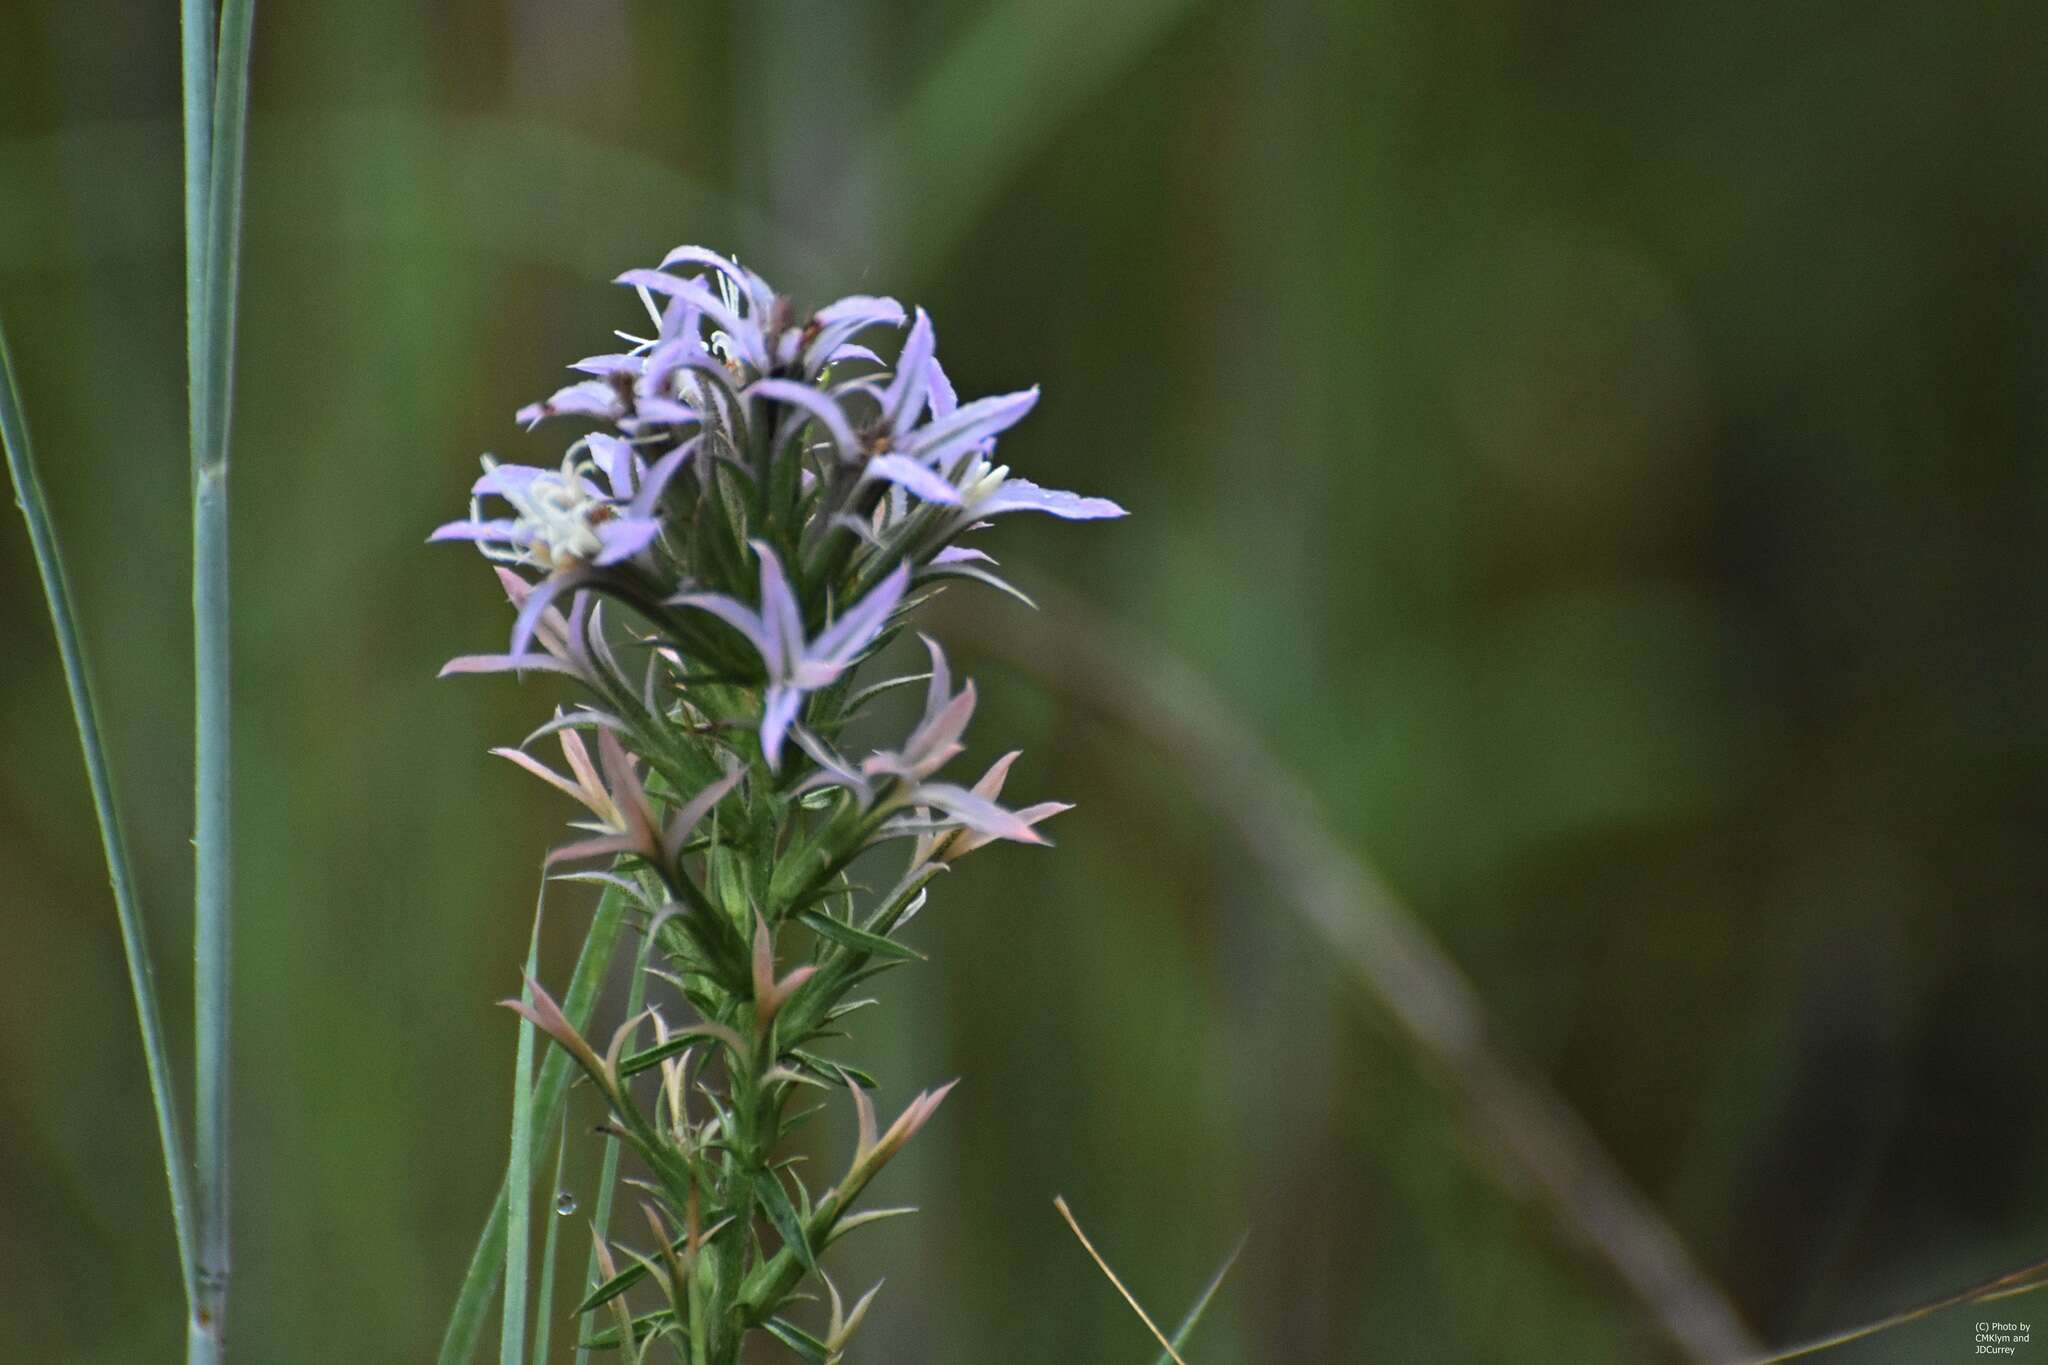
(211, 338)
(197, 25)
(42, 536)
(473, 1302)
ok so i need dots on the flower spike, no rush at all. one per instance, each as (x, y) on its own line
(754, 492)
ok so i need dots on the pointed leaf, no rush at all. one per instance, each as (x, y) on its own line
(797, 1339)
(611, 1338)
(682, 1040)
(859, 940)
(1201, 1305)
(775, 1202)
(861, 1220)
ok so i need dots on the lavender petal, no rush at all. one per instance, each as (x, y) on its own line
(1022, 495)
(624, 537)
(506, 532)
(978, 813)
(537, 603)
(778, 712)
(655, 481)
(905, 472)
(506, 663)
(904, 400)
(966, 427)
(944, 401)
(817, 405)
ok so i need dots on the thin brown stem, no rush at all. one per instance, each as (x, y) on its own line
(2013, 1283)
(1059, 1201)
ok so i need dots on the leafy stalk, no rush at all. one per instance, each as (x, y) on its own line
(42, 537)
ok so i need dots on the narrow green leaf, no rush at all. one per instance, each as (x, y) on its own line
(608, 1178)
(1201, 1305)
(833, 1071)
(704, 928)
(857, 939)
(660, 1320)
(681, 1041)
(775, 1202)
(857, 700)
(728, 885)
(796, 1339)
(519, 1172)
(633, 1274)
(196, 38)
(979, 575)
(213, 376)
(861, 1220)
(473, 1302)
(543, 1320)
(613, 1287)
(42, 535)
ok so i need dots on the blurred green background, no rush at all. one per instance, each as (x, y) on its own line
(1597, 446)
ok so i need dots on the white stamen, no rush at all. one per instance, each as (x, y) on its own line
(560, 514)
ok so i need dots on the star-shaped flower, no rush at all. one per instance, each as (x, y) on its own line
(797, 665)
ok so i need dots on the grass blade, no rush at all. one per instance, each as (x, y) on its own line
(519, 1171)
(42, 536)
(196, 31)
(544, 1319)
(608, 1178)
(473, 1301)
(1194, 1315)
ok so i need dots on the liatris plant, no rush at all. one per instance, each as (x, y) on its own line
(765, 505)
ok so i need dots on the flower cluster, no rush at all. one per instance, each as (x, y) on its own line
(759, 503)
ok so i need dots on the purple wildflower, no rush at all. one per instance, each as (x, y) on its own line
(592, 511)
(921, 459)
(797, 665)
(866, 473)
(755, 330)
